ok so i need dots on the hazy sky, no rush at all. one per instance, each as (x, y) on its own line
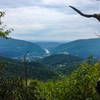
(50, 19)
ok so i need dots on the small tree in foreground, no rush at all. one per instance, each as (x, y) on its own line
(3, 31)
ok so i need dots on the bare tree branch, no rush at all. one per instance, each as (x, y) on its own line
(97, 16)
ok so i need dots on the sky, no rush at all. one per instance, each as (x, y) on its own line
(50, 20)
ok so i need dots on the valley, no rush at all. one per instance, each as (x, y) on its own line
(49, 50)
(45, 60)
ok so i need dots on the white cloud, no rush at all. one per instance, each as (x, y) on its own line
(50, 24)
(32, 18)
(81, 2)
(49, 2)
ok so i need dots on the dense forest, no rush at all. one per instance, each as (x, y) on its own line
(80, 85)
(14, 69)
(43, 69)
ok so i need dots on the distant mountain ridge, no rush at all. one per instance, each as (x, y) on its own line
(82, 48)
(15, 48)
(48, 45)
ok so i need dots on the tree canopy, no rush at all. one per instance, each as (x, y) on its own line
(3, 31)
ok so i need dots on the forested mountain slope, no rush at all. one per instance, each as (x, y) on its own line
(63, 63)
(82, 48)
(14, 69)
(17, 48)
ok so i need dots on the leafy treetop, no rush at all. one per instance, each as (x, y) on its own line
(3, 31)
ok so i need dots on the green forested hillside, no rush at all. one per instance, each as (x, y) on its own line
(18, 48)
(14, 69)
(82, 48)
(63, 63)
(80, 85)
(47, 68)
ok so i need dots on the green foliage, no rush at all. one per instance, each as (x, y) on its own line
(3, 32)
(51, 67)
(91, 59)
(16, 90)
(62, 63)
(80, 85)
(14, 69)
